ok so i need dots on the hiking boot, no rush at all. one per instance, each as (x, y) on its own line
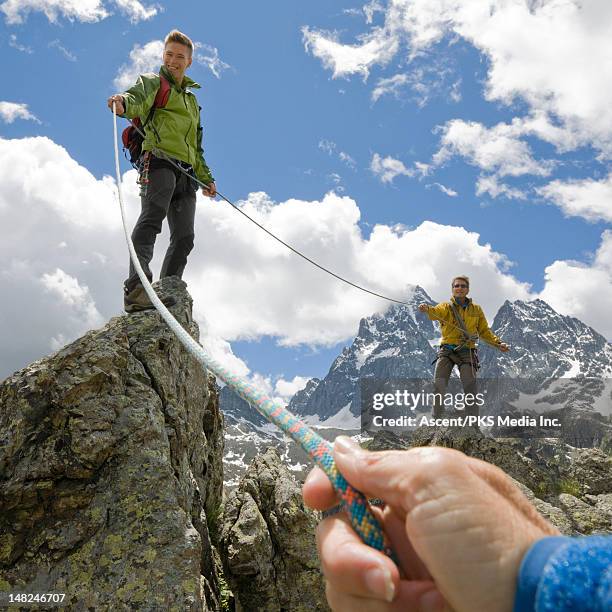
(137, 300)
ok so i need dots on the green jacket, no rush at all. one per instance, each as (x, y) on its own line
(473, 318)
(174, 129)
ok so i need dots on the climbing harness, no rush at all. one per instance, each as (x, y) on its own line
(320, 450)
(474, 362)
(143, 174)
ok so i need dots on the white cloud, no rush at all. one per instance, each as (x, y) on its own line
(75, 298)
(391, 85)
(9, 111)
(67, 54)
(347, 159)
(388, 168)
(23, 48)
(585, 198)
(374, 48)
(497, 149)
(256, 291)
(553, 55)
(446, 190)
(136, 11)
(288, 388)
(88, 11)
(16, 11)
(491, 185)
(581, 290)
(147, 58)
(327, 146)
(67, 217)
(330, 147)
(209, 57)
(371, 8)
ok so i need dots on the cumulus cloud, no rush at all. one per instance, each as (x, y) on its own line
(9, 111)
(583, 290)
(76, 300)
(548, 54)
(61, 253)
(388, 168)
(66, 236)
(492, 186)
(587, 198)
(147, 58)
(496, 149)
(288, 388)
(88, 11)
(255, 293)
(344, 60)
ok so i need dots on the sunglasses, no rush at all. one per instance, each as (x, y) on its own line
(460, 286)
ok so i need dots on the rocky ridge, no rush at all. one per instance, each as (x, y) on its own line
(111, 478)
(111, 470)
(267, 543)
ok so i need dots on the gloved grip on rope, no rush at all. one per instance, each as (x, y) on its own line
(355, 503)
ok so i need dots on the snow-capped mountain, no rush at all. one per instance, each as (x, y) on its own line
(401, 343)
(545, 344)
(396, 344)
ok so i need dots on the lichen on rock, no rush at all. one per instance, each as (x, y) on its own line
(110, 463)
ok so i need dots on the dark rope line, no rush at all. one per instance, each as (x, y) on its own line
(164, 156)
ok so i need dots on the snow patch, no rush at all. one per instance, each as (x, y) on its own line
(362, 354)
(343, 419)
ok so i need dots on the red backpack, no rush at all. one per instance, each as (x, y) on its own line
(132, 135)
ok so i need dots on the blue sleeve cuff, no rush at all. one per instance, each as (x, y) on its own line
(531, 570)
(563, 574)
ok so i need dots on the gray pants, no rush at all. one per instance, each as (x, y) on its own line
(169, 194)
(466, 362)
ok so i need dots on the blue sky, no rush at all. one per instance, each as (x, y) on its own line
(396, 142)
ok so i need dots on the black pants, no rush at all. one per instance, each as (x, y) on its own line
(467, 363)
(170, 193)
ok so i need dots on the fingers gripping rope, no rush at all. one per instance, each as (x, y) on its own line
(356, 505)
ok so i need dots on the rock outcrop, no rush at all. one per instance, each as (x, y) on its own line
(268, 545)
(111, 470)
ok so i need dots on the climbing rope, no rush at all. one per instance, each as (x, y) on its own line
(161, 155)
(319, 449)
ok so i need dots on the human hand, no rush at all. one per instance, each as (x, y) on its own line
(120, 109)
(210, 191)
(503, 347)
(423, 307)
(458, 526)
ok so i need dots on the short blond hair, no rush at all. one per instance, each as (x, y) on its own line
(178, 37)
(463, 278)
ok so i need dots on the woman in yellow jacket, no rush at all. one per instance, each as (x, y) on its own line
(462, 323)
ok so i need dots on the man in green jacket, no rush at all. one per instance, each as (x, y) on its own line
(174, 131)
(462, 323)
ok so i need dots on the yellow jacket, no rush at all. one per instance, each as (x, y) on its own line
(473, 318)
